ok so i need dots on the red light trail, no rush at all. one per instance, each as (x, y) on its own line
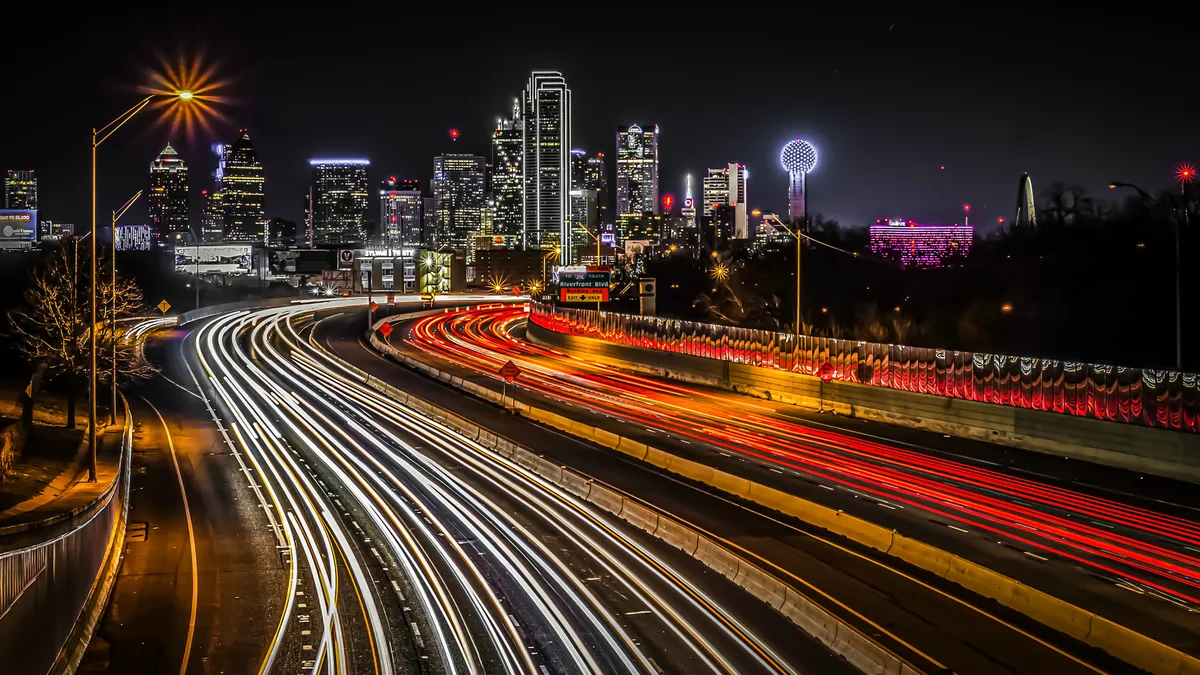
(1147, 547)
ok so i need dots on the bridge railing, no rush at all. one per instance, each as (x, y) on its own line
(1142, 396)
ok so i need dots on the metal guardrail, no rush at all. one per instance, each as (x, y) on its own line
(45, 587)
(1140, 396)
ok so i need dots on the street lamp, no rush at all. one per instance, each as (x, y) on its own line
(1184, 174)
(112, 412)
(555, 253)
(99, 136)
(597, 238)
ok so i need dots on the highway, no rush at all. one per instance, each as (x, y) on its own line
(1126, 557)
(909, 612)
(408, 548)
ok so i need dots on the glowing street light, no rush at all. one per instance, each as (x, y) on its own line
(99, 136)
(720, 272)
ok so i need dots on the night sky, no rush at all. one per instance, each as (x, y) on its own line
(888, 103)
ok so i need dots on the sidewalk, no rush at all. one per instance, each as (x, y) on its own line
(69, 493)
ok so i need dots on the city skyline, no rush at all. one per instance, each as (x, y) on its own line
(886, 127)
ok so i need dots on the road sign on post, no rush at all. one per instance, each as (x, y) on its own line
(826, 372)
(374, 307)
(164, 306)
(510, 371)
(386, 329)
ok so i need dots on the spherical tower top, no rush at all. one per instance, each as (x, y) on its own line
(798, 156)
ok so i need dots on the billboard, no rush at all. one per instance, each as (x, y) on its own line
(18, 229)
(133, 238)
(213, 259)
(583, 283)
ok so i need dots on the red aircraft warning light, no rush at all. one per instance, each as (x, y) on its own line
(1185, 173)
(454, 134)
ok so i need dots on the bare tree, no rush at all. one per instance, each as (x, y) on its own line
(52, 327)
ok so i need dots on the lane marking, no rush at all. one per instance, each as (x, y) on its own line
(187, 511)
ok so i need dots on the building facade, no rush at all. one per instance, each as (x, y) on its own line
(168, 196)
(507, 177)
(339, 201)
(458, 199)
(546, 113)
(242, 186)
(21, 189)
(400, 213)
(637, 171)
(728, 186)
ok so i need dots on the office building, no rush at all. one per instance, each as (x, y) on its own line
(167, 199)
(637, 171)
(212, 217)
(507, 177)
(339, 201)
(546, 113)
(914, 245)
(728, 186)
(588, 173)
(400, 213)
(458, 199)
(242, 185)
(20, 190)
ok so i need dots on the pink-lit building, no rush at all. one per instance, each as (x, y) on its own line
(914, 245)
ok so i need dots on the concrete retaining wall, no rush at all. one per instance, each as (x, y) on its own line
(1156, 451)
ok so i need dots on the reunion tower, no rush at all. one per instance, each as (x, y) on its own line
(799, 158)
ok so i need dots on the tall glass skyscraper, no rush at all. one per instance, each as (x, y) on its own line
(637, 171)
(727, 186)
(506, 176)
(242, 186)
(400, 213)
(339, 201)
(458, 199)
(20, 190)
(168, 196)
(546, 105)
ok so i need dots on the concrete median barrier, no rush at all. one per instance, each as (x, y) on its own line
(639, 516)
(920, 554)
(717, 558)
(727, 482)
(526, 459)
(683, 538)
(576, 484)
(863, 653)
(1051, 611)
(761, 585)
(811, 618)
(981, 580)
(606, 438)
(606, 499)
(549, 470)
(635, 449)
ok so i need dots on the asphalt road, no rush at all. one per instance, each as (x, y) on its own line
(910, 612)
(237, 577)
(1085, 533)
(495, 570)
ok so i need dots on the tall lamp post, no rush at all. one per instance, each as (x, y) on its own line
(794, 232)
(112, 412)
(99, 136)
(1185, 174)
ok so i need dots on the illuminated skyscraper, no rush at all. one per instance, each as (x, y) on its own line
(637, 172)
(400, 213)
(689, 210)
(799, 158)
(546, 104)
(20, 190)
(507, 176)
(728, 186)
(339, 195)
(458, 197)
(212, 218)
(241, 182)
(168, 196)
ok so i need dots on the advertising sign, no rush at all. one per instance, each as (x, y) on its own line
(213, 259)
(133, 238)
(18, 229)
